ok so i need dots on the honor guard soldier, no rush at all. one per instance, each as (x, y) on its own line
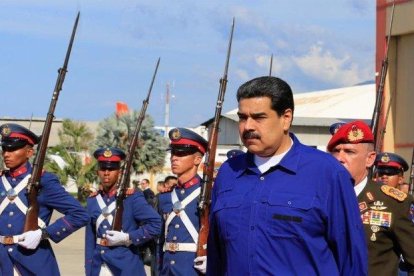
(117, 252)
(179, 206)
(390, 168)
(281, 208)
(30, 253)
(386, 212)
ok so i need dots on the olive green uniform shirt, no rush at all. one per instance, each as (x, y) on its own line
(387, 215)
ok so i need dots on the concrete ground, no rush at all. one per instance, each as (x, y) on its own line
(70, 253)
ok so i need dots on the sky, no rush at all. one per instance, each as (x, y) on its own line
(316, 45)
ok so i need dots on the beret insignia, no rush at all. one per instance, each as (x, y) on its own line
(176, 134)
(5, 131)
(393, 192)
(107, 153)
(355, 134)
(385, 158)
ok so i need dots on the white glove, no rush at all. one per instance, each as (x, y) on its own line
(30, 239)
(202, 266)
(116, 238)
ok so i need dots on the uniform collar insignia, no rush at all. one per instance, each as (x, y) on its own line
(363, 206)
(370, 196)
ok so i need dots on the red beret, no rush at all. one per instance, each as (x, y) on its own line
(351, 133)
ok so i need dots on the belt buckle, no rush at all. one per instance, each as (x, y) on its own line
(173, 246)
(8, 240)
(104, 242)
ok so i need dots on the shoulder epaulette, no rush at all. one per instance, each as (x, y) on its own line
(130, 191)
(393, 192)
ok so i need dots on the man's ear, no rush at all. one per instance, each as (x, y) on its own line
(29, 151)
(370, 159)
(287, 119)
(198, 158)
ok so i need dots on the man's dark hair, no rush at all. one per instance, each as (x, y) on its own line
(276, 89)
(169, 177)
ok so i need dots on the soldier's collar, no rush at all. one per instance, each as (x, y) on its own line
(188, 184)
(19, 171)
(110, 193)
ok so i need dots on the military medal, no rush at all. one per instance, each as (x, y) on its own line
(105, 211)
(11, 194)
(378, 205)
(177, 207)
(374, 229)
(381, 218)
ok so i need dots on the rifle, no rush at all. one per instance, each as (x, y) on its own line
(32, 213)
(271, 65)
(379, 135)
(208, 169)
(123, 181)
(411, 189)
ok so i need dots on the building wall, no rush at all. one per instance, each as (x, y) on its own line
(399, 86)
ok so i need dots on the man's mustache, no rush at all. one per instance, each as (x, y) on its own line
(251, 135)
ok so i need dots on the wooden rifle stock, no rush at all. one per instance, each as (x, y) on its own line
(379, 133)
(123, 181)
(32, 212)
(208, 169)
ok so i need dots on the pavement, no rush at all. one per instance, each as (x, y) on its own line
(70, 252)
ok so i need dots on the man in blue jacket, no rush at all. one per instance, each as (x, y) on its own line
(106, 250)
(179, 206)
(282, 208)
(30, 253)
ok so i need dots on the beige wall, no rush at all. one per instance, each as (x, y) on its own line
(399, 136)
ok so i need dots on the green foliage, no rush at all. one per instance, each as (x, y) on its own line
(75, 141)
(117, 132)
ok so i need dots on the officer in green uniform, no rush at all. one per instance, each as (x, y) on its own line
(386, 212)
